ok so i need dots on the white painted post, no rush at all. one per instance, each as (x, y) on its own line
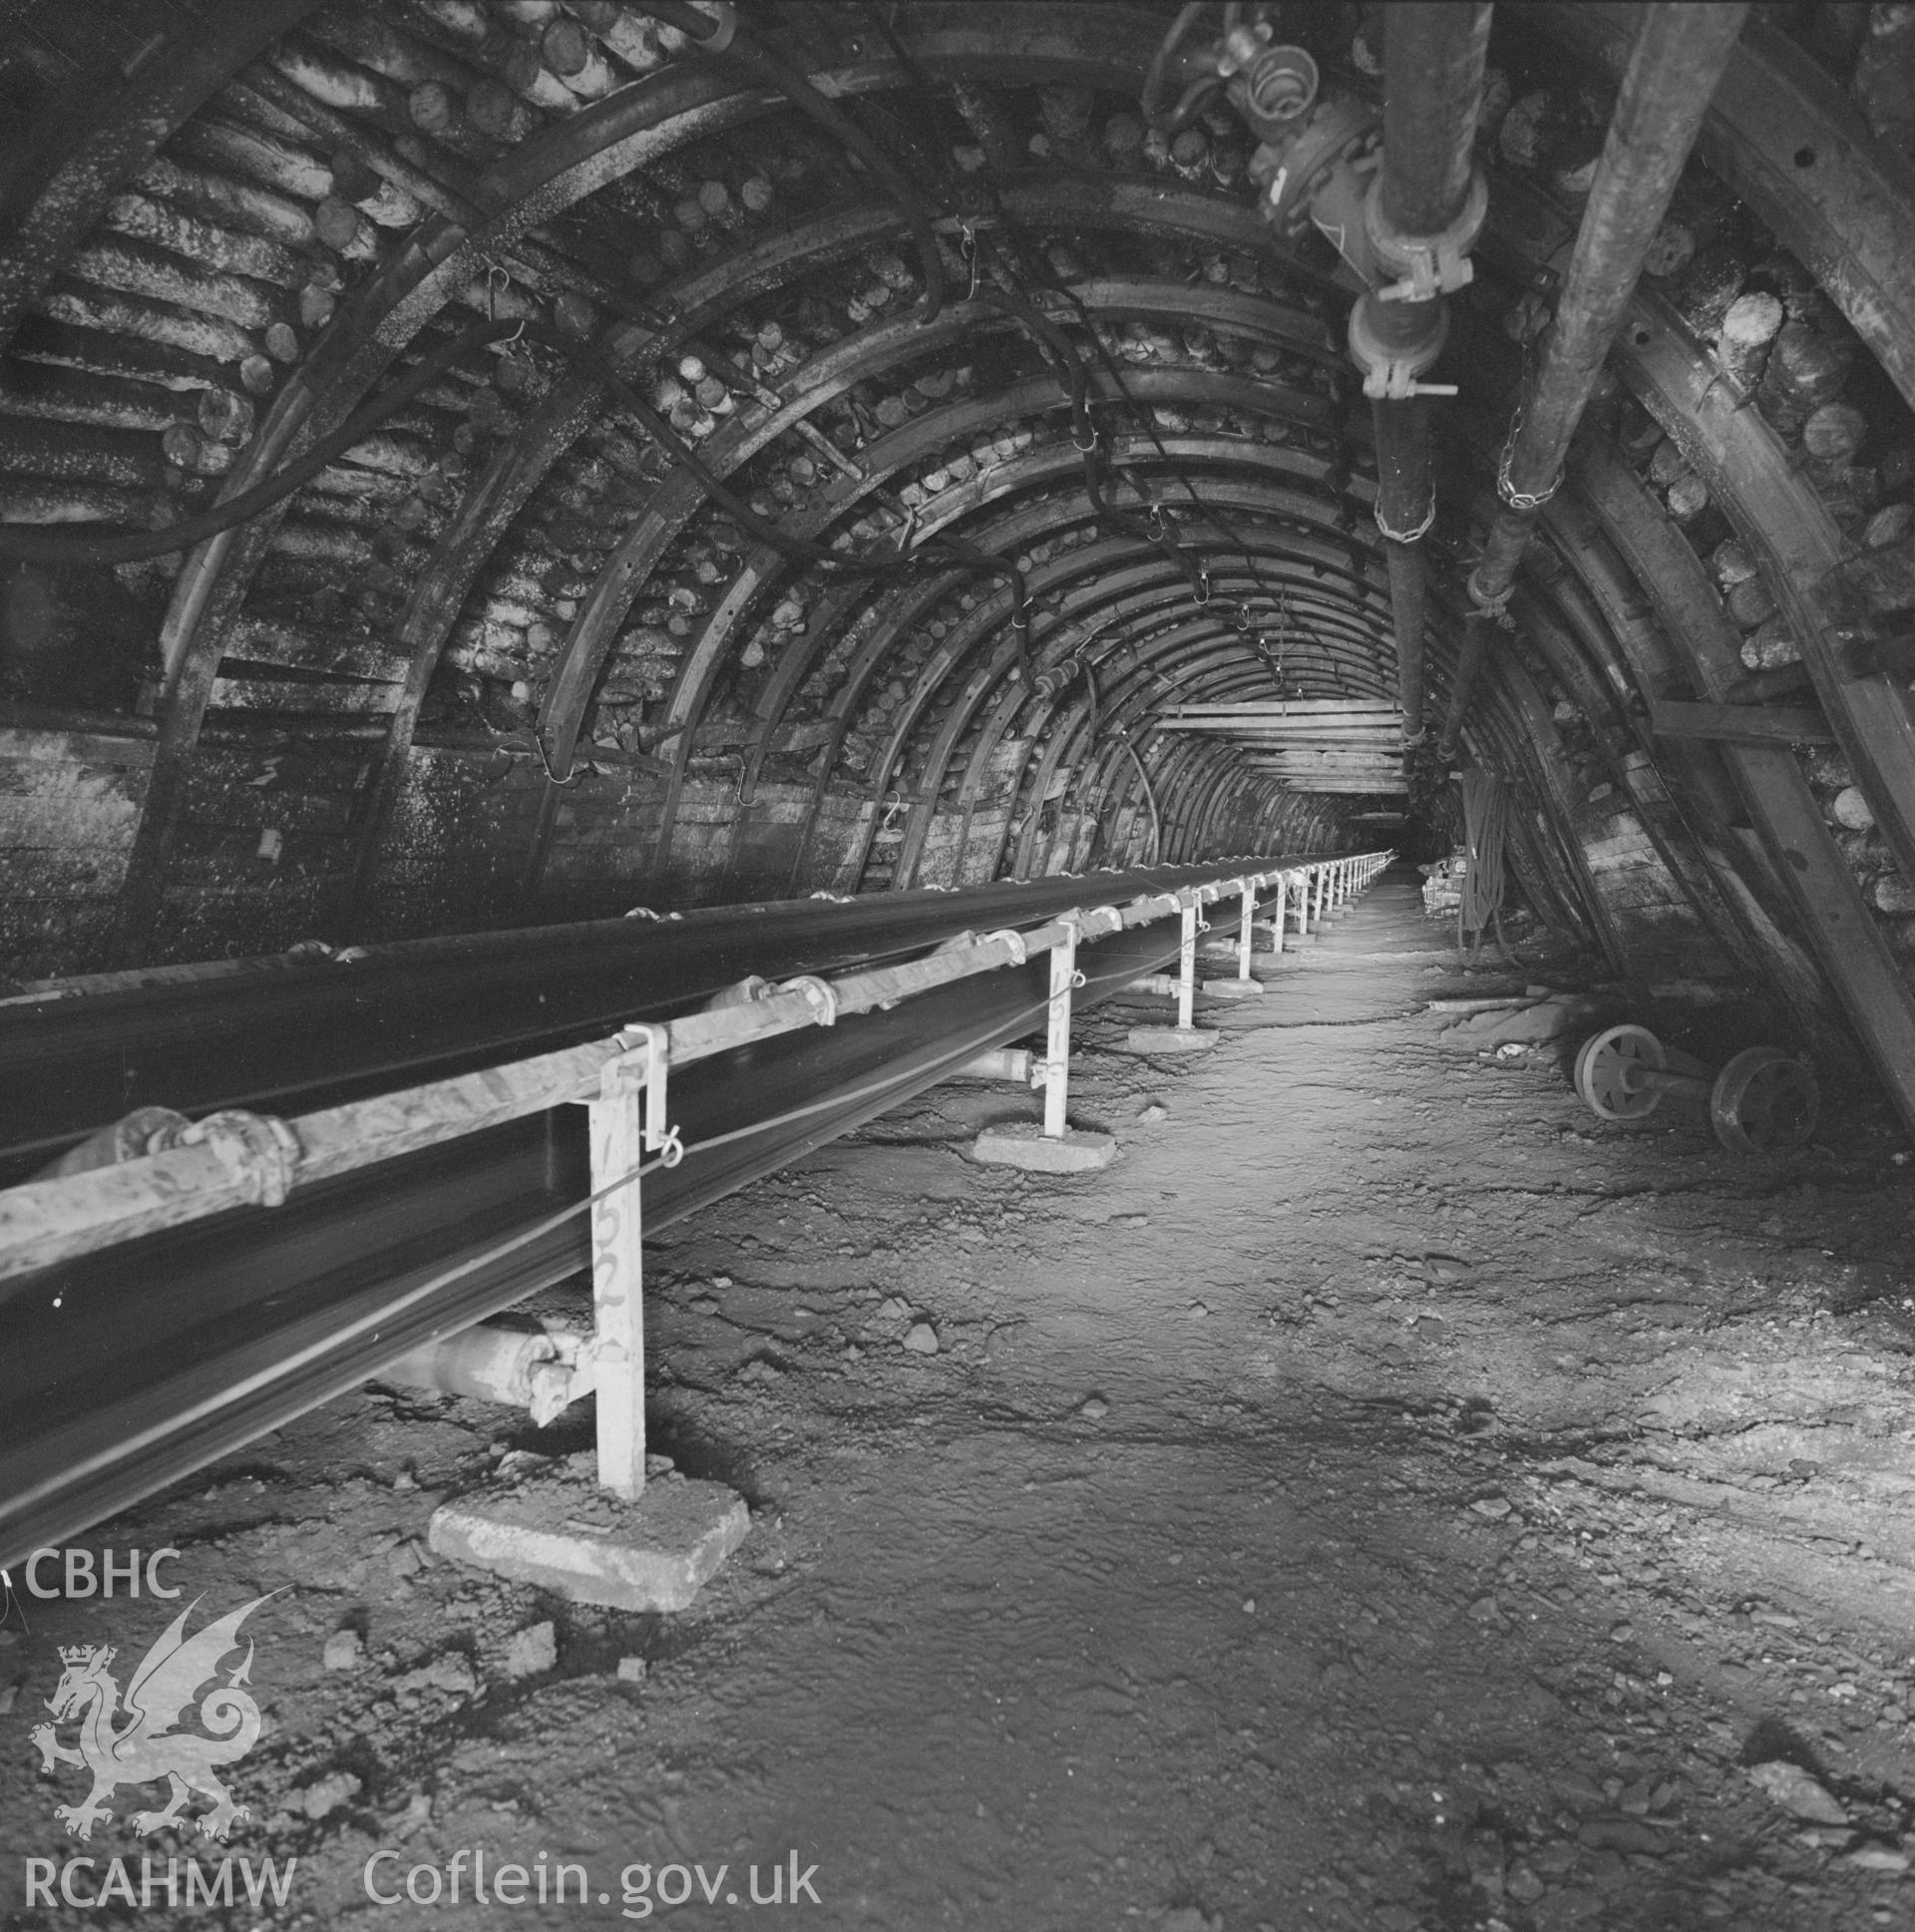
(1247, 935)
(1064, 979)
(1187, 966)
(618, 1281)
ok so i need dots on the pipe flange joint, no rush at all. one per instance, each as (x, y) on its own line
(1015, 940)
(1340, 132)
(1494, 607)
(259, 1150)
(1100, 920)
(1391, 371)
(1427, 266)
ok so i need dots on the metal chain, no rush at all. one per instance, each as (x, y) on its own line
(1411, 535)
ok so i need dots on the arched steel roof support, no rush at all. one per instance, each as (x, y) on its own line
(82, 152)
(527, 187)
(1322, 557)
(1853, 953)
(1112, 586)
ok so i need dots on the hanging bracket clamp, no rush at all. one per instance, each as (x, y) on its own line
(1428, 264)
(645, 1062)
(1391, 370)
(259, 1150)
(819, 994)
(1494, 607)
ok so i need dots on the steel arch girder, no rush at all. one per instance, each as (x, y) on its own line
(1073, 564)
(197, 54)
(985, 746)
(952, 728)
(1038, 466)
(1233, 493)
(802, 657)
(871, 352)
(703, 295)
(1781, 132)
(526, 188)
(1157, 575)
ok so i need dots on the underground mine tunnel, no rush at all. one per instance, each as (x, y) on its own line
(955, 965)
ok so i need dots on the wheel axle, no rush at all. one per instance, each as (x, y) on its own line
(1761, 1103)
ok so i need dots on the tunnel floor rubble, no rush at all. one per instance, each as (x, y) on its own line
(1385, 1498)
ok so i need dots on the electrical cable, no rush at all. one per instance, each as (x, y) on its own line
(1485, 829)
(1150, 799)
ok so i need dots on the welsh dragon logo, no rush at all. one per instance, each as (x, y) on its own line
(147, 1746)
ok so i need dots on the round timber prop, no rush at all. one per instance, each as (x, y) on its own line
(1764, 1102)
(1605, 1070)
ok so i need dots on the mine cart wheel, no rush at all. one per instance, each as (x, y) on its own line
(1601, 1068)
(1764, 1102)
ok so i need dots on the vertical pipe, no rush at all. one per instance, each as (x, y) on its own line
(1246, 937)
(1187, 966)
(615, 1133)
(1477, 625)
(1433, 58)
(1063, 981)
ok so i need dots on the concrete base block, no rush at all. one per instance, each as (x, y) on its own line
(1170, 1039)
(1024, 1144)
(1232, 988)
(581, 1543)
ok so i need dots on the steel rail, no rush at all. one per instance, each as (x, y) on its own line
(110, 1391)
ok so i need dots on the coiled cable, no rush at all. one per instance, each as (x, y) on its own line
(1485, 827)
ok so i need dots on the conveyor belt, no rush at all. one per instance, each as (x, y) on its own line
(131, 1366)
(296, 1035)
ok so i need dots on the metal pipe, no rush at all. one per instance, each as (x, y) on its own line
(1678, 56)
(1164, 985)
(1011, 1063)
(1408, 587)
(1477, 625)
(487, 1361)
(1063, 981)
(1433, 58)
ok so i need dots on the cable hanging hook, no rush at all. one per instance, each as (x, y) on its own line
(544, 758)
(970, 251)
